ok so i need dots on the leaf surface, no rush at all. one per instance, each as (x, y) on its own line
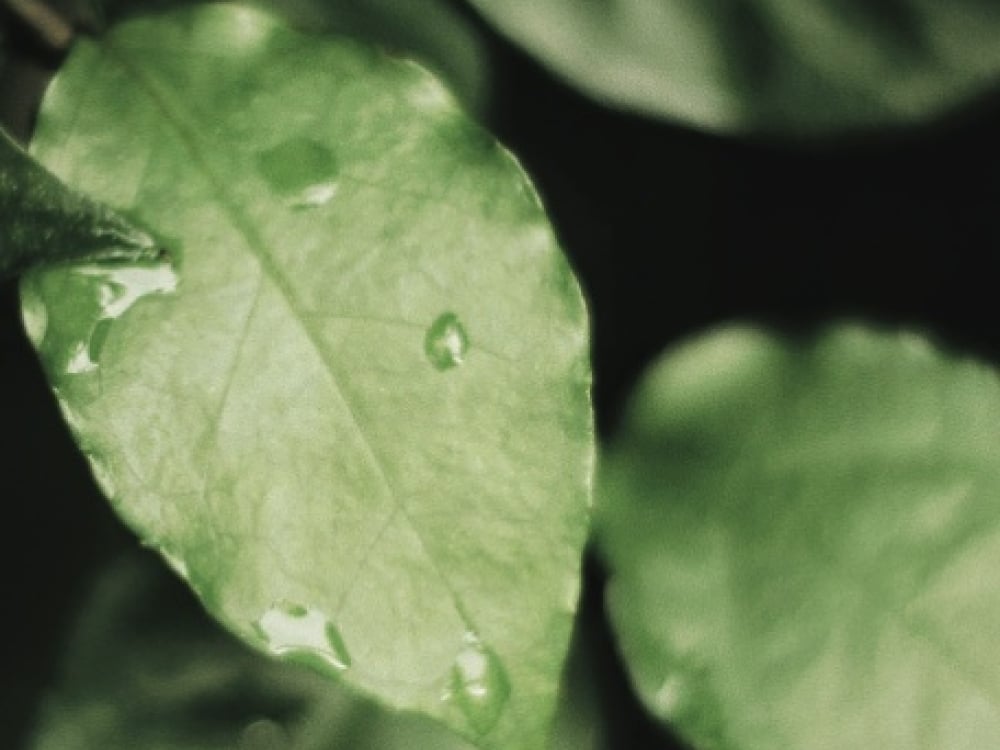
(435, 33)
(803, 539)
(790, 67)
(357, 418)
(44, 222)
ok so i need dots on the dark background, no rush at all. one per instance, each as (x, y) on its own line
(671, 231)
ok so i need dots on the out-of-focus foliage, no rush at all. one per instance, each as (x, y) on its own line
(146, 669)
(800, 67)
(803, 540)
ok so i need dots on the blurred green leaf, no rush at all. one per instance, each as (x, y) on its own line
(145, 668)
(803, 540)
(357, 419)
(800, 67)
(43, 222)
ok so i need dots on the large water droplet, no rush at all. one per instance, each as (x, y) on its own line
(302, 170)
(119, 288)
(479, 685)
(303, 634)
(446, 342)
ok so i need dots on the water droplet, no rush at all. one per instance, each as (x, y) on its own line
(79, 359)
(263, 734)
(446, 342)
(301, 633)
(119, 289)
(431, 96)
(670, 696)
(315, 195)
(479, 685)
(302, 170)
(34, 314)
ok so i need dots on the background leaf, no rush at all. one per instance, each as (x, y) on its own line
(766, 66)
(43, 222)
(359, 421)
(803, 538)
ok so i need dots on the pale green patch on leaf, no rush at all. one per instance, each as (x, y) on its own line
(803, 539)
(800, 67)
(269, 412)
(43, 222)
(145, 668)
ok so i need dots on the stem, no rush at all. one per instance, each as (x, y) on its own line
(47, 23)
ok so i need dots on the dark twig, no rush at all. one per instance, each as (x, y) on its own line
(50, 26)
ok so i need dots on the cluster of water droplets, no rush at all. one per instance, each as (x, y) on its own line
(304, 634)
(478, 685)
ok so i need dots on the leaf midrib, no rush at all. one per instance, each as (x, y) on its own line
(188, 134)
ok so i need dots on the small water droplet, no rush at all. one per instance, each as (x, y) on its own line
(302, 170)
(479, 685)
(34, 313)
(263, 734)
(446, 343)
(302, 633)
(670, 696)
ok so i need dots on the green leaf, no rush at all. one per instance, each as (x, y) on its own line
(43, 222)
(341, 477)
(145, 668)
(803, 539)
(800, 67)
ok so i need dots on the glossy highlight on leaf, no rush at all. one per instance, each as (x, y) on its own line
(772, 67)
(43, 222)
(276, 414)
(803, 539)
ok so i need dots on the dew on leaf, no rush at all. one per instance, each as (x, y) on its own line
(670, 695)
(122, 287)
(79, 359)
(34, 314)
(296, 631)
(479, 686)
(119, 288)
(446, 342)
(301, 170)
(263, 734)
